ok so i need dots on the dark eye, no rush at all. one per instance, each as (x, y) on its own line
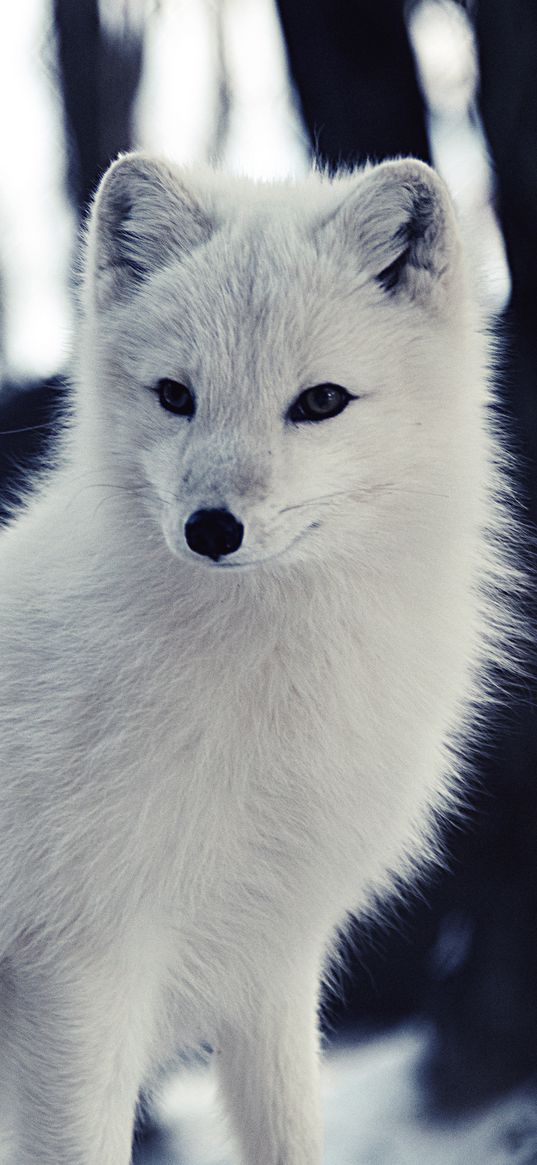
(320, 403)
(176, 397)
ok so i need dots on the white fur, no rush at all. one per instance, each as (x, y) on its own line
(205, 769)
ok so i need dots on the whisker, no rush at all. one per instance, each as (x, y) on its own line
(424, 493)
(30, 428)
(363, 491)
(103, 501)
(313, 501)
(104, 485)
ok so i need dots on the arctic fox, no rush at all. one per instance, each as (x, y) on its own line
(241, 624)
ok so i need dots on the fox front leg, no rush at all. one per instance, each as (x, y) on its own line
(269, 1074)
(72, 1058)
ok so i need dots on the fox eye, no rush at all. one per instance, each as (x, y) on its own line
(320, 403)
(175, 397)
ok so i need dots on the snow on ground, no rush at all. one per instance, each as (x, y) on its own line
(374, 1114)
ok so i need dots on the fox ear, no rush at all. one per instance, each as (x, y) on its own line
(143, 218)
(402, 226)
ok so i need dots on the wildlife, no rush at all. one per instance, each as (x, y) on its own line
(245, 623)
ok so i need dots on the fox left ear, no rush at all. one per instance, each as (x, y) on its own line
(143, 218)
(400, 222)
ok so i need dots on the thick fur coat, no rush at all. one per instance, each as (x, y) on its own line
(207, 762)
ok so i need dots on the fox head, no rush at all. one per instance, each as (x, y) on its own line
(279, 371)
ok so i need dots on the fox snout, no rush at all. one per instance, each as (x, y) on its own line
(221, 467)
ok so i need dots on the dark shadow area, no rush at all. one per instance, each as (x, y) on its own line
(355, 78)
(466, 957)
(30, 423)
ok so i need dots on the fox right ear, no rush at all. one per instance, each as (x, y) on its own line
(143, 218)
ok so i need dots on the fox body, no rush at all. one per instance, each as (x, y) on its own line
(242, 624)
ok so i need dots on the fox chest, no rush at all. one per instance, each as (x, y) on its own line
(235, 771)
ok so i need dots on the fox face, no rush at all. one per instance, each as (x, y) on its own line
(271, 360)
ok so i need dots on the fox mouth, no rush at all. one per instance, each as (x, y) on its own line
(225, 564)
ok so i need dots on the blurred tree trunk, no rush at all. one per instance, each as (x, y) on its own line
(507, 37)
(487, 1013)
(99, 76)
(354, 71)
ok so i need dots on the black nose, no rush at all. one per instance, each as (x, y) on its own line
(213, 533)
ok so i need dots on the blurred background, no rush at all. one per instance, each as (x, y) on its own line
(432, 1036)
